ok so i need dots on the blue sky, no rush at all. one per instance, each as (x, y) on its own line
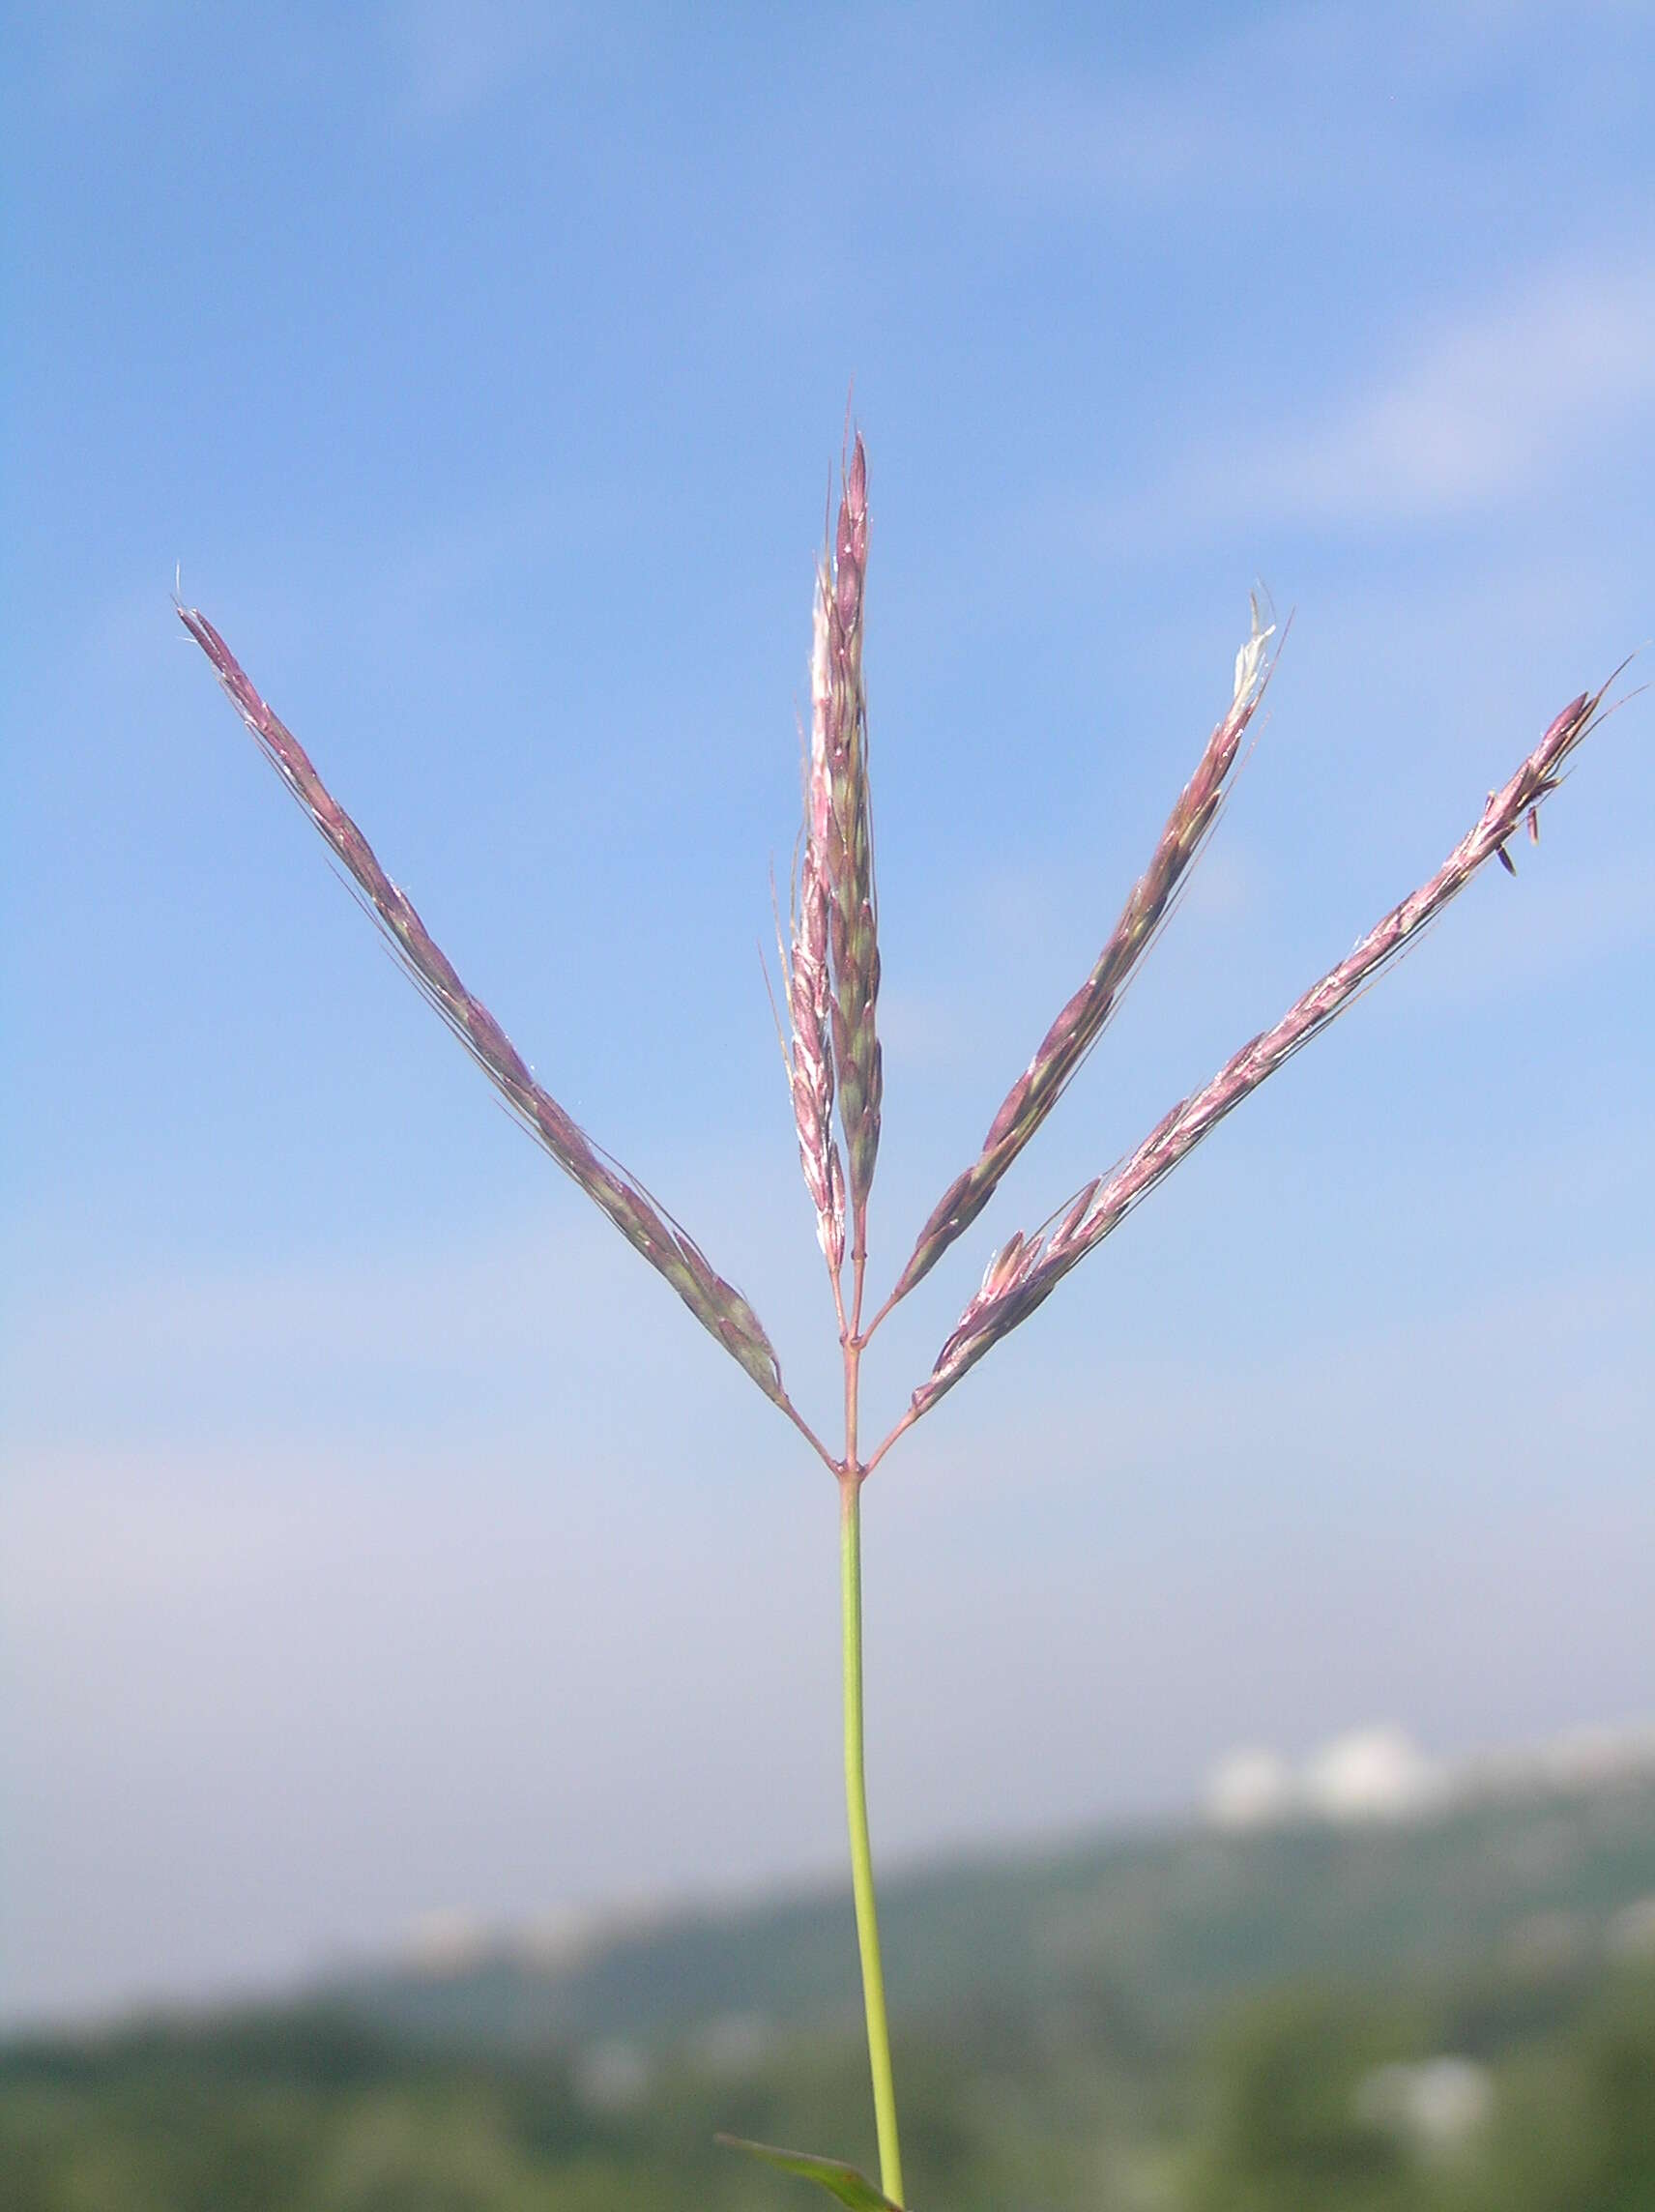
(379, 1538)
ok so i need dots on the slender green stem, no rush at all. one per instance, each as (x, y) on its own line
(861, 1855)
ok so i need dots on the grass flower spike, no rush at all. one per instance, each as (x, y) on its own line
(1077, 1028)
(716, 1304)
(854, 928)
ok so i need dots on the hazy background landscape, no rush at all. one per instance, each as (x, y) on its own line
(1390, 1985)
(383, 1555)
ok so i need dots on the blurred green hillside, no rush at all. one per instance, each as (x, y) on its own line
(1456, 2014)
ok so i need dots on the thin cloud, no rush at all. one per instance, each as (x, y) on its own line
(1276, 103)
(1488, 407)
(1491, 405)
(457, 55)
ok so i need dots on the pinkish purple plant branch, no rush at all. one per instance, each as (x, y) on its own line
(848, 855)
(716, 1304)
(1077, 1028)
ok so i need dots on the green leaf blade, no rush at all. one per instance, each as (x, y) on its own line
(852, 2188)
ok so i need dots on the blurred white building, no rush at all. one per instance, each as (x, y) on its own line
(1370, 1774)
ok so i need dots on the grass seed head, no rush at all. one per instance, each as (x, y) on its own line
(716, 1304)
(848, 843)
(1078, 1027)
